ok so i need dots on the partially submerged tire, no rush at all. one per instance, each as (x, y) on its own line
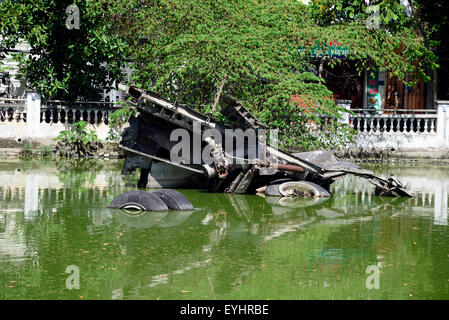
(173, 199)
(273, 188)
(138, 200)
(303, 189)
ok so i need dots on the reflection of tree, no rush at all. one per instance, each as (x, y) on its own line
(240, 246)
(76, 172)
(232, 246)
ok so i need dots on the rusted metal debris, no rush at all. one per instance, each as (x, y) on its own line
(147, 140)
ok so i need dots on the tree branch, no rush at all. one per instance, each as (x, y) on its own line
(218, 94)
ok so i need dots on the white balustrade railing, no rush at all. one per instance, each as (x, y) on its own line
(93, 112)
(405, 129)
(400, 129)
(395, 123)
(37, 119)
(12, 110)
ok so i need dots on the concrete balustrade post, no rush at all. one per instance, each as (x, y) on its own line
(33, 109)
(442, 122)
(347, 105)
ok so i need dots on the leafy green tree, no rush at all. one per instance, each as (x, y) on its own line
(432, 21)
(67, 60)
(186, 49)
(390, 21)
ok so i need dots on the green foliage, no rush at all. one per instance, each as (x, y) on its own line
(78, 140)
(329, 135)
(46, 151)
(65, 64)
(118, 119)
(391, 13)
(398, 45)
(183, 50)
(78, 133)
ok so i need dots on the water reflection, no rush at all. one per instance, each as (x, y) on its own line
(428, 185)
(230, 246)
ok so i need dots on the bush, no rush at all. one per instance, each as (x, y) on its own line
(27, 150)
(78, 141)
(46, 151)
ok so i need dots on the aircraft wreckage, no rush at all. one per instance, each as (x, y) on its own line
(147, 141)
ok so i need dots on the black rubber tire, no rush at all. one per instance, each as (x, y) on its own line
(314, 189)
(273, 188)
(137, 199)
(174, 200)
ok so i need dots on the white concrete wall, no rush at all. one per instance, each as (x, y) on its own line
(52, 130)
(20, 130)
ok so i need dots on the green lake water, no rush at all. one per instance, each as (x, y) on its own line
(354, 245)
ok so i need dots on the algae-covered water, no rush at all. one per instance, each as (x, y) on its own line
(55, 229)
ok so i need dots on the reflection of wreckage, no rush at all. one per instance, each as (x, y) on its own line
(229, 246)
(146, 140)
